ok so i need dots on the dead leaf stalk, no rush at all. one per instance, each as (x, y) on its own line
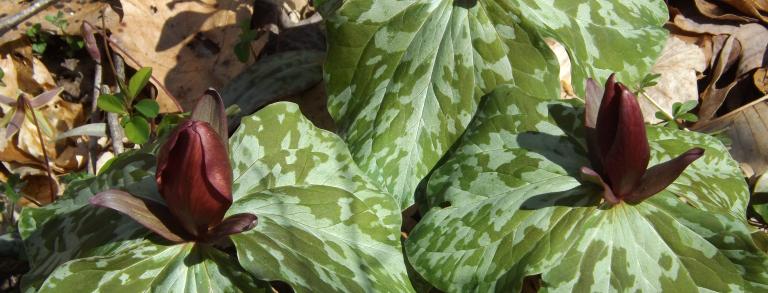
(51, 180)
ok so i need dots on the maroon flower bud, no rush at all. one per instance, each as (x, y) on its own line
(194, 177)
(618, 147)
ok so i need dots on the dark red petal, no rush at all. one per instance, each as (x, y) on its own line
(162, 156)
(628, 157)
(192, 189)
(232, 225)
(592, 101)
(662, 175)
(177, 181)
(608, 115)
(149, 214)
(590, 175)
(216, 167)
(210, 108)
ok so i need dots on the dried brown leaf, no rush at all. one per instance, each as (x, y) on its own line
(747, 127)
(189, 44)
(75, 12)
(760, 78)
(678, 65)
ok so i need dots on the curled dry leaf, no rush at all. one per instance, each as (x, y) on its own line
(720, 10)
(753, 38)
(679, 65)
(189, 44)
(747, 127)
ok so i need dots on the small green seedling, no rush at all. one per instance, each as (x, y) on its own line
(38, 37)
(649, 80)
(243, 46)
(74, 43)
(134, 117)
(11, 189)
(41, 38)
(680, 115)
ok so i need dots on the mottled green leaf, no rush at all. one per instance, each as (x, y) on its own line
(323, 227)
(508, 203)
(71, 228)
(151, 267)
(273, 77)
(405, 77)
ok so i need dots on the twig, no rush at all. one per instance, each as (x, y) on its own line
(115, 130)
(10, 22)
(51, 181)
(32, 200)
(92, 141)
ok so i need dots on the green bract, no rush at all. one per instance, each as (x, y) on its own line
(508, 203)
(405, 77)
(323, 226)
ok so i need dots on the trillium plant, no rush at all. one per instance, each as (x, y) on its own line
(447, 109)
(618, 149)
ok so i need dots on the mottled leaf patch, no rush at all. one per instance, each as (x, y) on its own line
(150, 267)
(509, 203)
(323, 227)
(404, 77)
(71, 228)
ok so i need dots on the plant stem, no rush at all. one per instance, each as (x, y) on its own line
(10, 22)
(51, 180)
(658, 107)
(115, 130)
(115, 46)
(92, 141)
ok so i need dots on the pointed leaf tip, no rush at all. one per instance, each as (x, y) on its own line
(45, 97)
(658, 177)
(151, 215)
(592, 101)
(210, 108)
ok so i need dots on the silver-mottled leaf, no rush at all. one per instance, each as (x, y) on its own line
(273, 77)
(150, 267)
(405, 77)
(507, 204)
(71, 228)
(323, 226)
